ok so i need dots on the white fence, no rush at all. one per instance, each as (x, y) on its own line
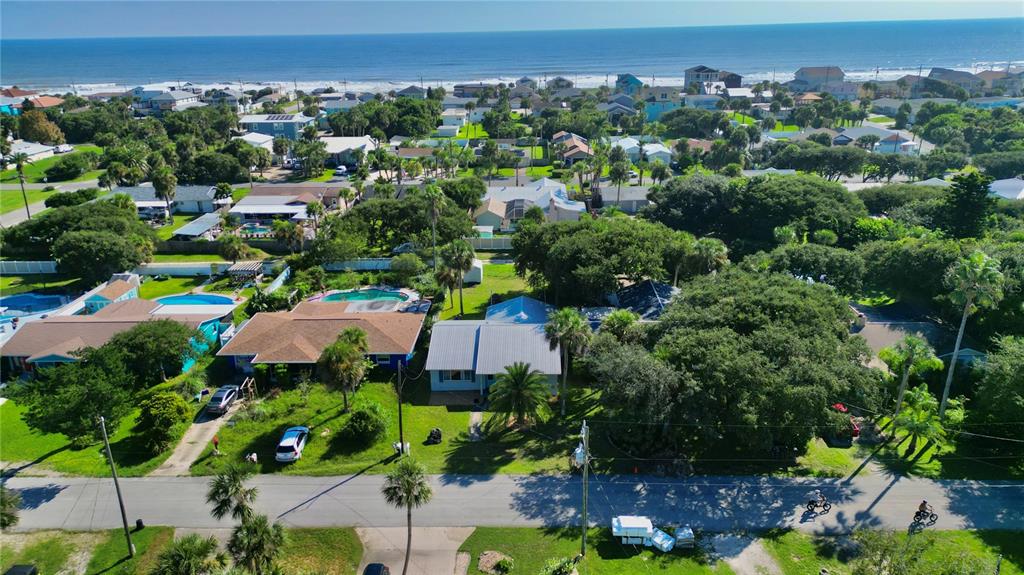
(21, 268)
(499, 244)
(279, 280)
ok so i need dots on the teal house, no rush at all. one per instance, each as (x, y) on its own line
(115, 291)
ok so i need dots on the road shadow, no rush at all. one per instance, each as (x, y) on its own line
(34, 497)
(13, 470)
(314, 498)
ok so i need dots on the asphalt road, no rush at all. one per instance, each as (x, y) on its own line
(713, 503)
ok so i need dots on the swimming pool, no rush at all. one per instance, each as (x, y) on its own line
(255, 229)
(196, 299)
(366, 294)
(29, 302)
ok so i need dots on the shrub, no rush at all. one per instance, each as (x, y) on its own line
(504, 565)
(366, 424)
(159, 417)
(10, 503)
(254, 411)
(71, 167)
(72, 198)
(558, 567)
(192, 385)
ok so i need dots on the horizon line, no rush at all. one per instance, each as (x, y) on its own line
(612, 28)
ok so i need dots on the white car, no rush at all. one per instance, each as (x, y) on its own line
(340, 171)
(292, 443)
(63, 149)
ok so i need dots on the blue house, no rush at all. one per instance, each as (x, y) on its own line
(115, 291)
(628, 84)
(277, 125)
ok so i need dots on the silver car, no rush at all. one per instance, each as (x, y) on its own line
(222, 399)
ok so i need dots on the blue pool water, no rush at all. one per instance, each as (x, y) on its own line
(255, 229)
(196, 299)
(31, 303)
(366, 294)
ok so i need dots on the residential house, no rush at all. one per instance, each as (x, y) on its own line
(473, 90)
(187, 199)
(206, 228)
(43, 102)
(468, 356)
(412, 92)
(491, 213)
(566, 94)
(277, 125)
(616, 111)
(843, 91)
(256, 140)
(527, 82)
(16, 92)
(235, 99)
(35, 151)
(456, 102)
(341, 150)
(889, 141)
(749, 94)
(806, 99)
(630, 199)
(1010, 188)
(628, 84)
(454, 117)
(891, 106)
(702, 101)
(337, 102)
(558, 83)
(651, 150)
(992, 102)
(660, 99)
(706, 79)
(54, 340)
(812, 78)
(115, 291)
(551, 195)
(10, 106)
(959, 78)
(1012, 84)
(298, 337)
(933, 183)
(330, 195)
(174, 101)
(104, 96)
(574, 147)
(522, 92)
(648, 299)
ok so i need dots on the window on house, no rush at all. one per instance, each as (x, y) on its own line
(278, 127)
(383, 359)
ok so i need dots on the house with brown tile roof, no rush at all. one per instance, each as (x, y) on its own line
(55, 339)
(43, 102)
(16, 92)
(299, 336)
(115, 291)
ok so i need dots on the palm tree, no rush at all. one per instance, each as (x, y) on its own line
(190, 555)
(437, 199)
(315, 210)
(10, 503)
(659, 171)
(289, 233)
(164, 184)
(256, 543)
(229, 495)
(976, 282)
(678, 251)
(911, 355)
(919, 419)
(520, 395)
(448, 278)
(406, 486)
(459, 256)
(619, 173)
(567, 329)
(343, 363)
(19, 160)
(710, 255)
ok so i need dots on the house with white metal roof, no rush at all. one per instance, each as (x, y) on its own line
(550, 195)
(1010, 189)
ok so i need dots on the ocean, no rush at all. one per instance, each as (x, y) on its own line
(866, 50)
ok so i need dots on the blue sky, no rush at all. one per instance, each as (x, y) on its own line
(86, 18)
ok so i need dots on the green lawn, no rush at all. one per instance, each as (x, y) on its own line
(532, 548)
(881, 119)
(153, 288)
(299, 177)
(239, 193)
(11, 199)
(53, 451)
(472, 131)
(499, 279)
(802, 554)
(165, 231)
(169, 257)
(110, 557)
(328, 551)
(820, 460)
(46, 283)
(35, 172)
(49, 553)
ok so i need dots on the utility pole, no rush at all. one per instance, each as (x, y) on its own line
(117, 487)
(581, 458)
(401, 430)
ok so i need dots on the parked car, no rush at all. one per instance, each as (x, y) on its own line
(222, 399)
(376, 569)
(291, 445)
(63, 149)
(340, 171)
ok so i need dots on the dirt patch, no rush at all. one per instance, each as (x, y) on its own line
(488, 562)
(745, 555)
(82, 545)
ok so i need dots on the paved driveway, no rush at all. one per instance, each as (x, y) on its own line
(192, 444)
(433, 548)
